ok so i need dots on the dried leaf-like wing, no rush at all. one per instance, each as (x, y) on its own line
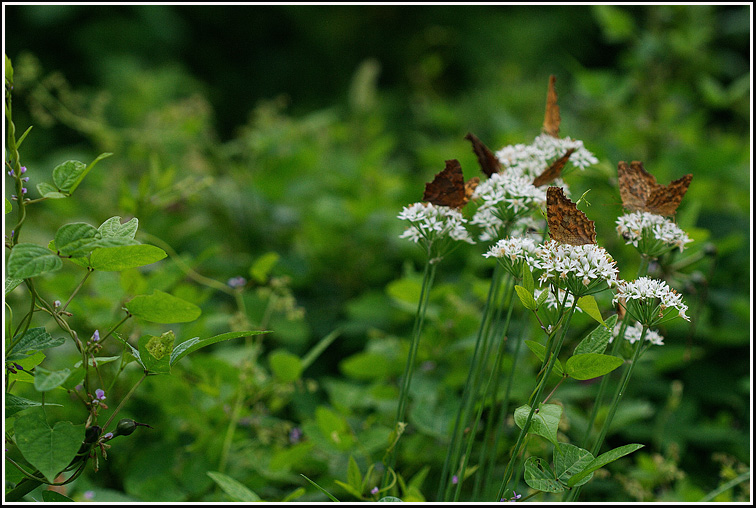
(448, 187)
(487, 160)
(640, 191)
(552, 119)
(567, 224)
(554, 170)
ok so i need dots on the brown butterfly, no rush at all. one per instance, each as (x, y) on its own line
(488, 162)
(554, 170)
(567, 224)
(640, 192)
(552, 119)
(448, 187)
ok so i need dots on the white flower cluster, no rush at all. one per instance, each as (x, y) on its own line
(505, 198)
(531, 160)
(574, 266)
(515, 249)
(640, 227)
(552, 302)
(633, 334)
(645, 290)
(431, 222)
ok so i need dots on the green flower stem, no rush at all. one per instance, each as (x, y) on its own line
(574, 493)
(123, 401)
(497, 363)
(428, 275)
(540, 385)
(453, 450)
(78, 288)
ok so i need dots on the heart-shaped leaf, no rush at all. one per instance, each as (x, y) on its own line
(49, 449)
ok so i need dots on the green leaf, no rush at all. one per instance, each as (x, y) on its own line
(354, 476)
(590, 307)
(49, 449)
(545, 422)
(390, 499)
(321, 489)
(163, 308)
(527, 278)
(50, 496)
(48, 191)
(596, 341)
(135, 352)
(191, 345)
(262, 266)
(8, 70)
(112, 228)
(570, 461)
(15, 404)
(366, 365)
(66, 174)
(602, 460)
(8, 207)
(539, 476)
(540, 351)
(287, 458)
(75, 239)
(33, 340)
(11, 284)
(233, 489)
(155, 352)
(591, 365)
(526, 297)
(46, 380)
(351, 490)
(27, 260)
(285, 366)
(542, 297)
(117, 259)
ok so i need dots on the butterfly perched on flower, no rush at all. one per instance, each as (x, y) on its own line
(640, 192)
(554, 170)
(449, 188)
(487, 160)
(567, 224)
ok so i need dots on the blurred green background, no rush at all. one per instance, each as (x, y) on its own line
(242, 131)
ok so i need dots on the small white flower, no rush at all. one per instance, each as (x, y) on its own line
(651, 234)
(648, 300)
(431, 224)
(552, 302)
(531, 160)
(633, 334)
(513, 252)
(581, 269)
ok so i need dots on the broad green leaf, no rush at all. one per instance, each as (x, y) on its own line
(540, 351)
(390, 499)
(66, 174)
(366, 365)
(11, 284)
(163, 308)
(48, 191)
(351, 490)
(591, 365)
(75, 239)
(285, 366)
(46, 380)
(27, 260)
(571, 461)
(155, 352)
(602, 460)
(545, 422)
(116, 259)
(542, 297)
(112, 228)
(354, 476)
(596, 341)
(8, 207)
(49, 449)
(590, 307)
(526, 297)
(15, 404)
(191, 345)
(33, 340)
(8, 70)
(27, 364)
(290, 457)
(539, 476)
(262, 266)
(527, 278)
(233, 489)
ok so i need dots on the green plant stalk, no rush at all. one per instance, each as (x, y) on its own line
(727, 486)
(574, 493)
(429, 274)
(540, 385)
(453, 450)
(492, 375)
(123, 401)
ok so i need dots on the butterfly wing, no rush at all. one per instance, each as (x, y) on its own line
(664, 199)
(488, 162)
(567, 224)
(554, 170)
(635, 185)
(447, 187)
(552, 119)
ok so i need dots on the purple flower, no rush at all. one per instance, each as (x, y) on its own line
(96, 335)
(89, 494)
(25, 179)
(23, 190)
(374, 491)
(455, 480)
(11, 173)
(57, 303)
(109, 435)
(23, 169)
(100, 394)
(295, 435)
(237, 282)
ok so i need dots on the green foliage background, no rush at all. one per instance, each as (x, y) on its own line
(240, 131)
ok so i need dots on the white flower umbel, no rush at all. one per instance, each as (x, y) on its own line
(650, 301)
(552, 302)
(580, 269)
(531, 160)
(633, 334)
(505, 198)
(434, 228)
(653, 235)
(513, 252)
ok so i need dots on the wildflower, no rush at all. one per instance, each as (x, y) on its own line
(57, 303)
(89, 494)
(633, 334)
(100, 394)
(237, 282)
(580, 269)
(653, 235)
(433, 226)
(505, 198)
(295, 435)
(11, 173)
(25, 179)
(23, 169)
(374, 490)
(530, 160)
(514, 497)
(512, 253)
(96, 336)
(455, 480)
(650, 301)
(107, 436)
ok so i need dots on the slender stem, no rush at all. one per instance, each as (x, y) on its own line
(123, 401)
